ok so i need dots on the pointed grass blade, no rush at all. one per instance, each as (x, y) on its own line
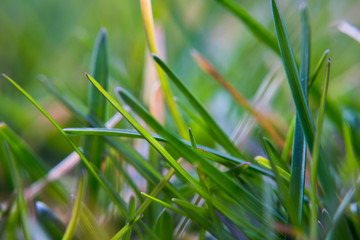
(255, 27)
(52, 225)
(70, 230)
(221, 137)
(146, 135)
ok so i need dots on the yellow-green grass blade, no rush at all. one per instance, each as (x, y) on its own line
(297, 181)
(315, 157)
(21, 204)
(94, 146)
(217, 132)
(165, 204)
(251, 203)
(352, 162)
(255, 27)
(114, 197)
(147, 136)
(301, 105)
(70, 230)
(148, 20)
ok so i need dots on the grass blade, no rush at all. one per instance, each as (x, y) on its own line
(213, 127)
(297, 181)
(164, 227)
(315, 156)
(255, 27)
(148, 20)
(70, 230)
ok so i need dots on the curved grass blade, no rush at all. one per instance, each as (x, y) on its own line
(70, 230)
(148, 20)
(297, 181)
(115, 197)
(219, 134)
(20, 199)
(286, 152)
(239, 98)
(301, 105)
(255, 27)
(315, 156)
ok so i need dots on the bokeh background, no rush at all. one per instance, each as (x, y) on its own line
(55, 39)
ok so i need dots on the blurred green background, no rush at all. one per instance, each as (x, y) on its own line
(55, 38)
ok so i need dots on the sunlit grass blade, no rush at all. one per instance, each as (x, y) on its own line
(72, 144)
(240, 99)
(94, 146)
(165, 204)
(70, 230)
(146, 135)
(315, 156)
(255, 27)
(148, 20)
(213, 127)
(21, 205)
(297, 181)
(301, 105)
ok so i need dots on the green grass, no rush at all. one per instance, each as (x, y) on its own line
(164, 162)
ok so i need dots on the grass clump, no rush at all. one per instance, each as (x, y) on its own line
(141, 174)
